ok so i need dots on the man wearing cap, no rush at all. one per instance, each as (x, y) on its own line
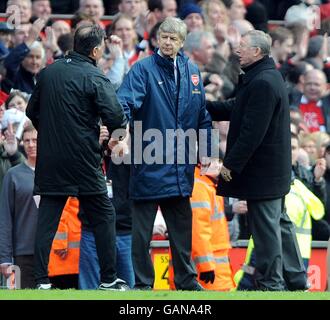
(192, 15)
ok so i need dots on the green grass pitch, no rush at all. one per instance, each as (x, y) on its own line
(157, 295)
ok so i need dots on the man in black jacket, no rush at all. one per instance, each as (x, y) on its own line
(257, 164)
(70, 98)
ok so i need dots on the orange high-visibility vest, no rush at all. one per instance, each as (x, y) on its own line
(210, 235)
(67, 237)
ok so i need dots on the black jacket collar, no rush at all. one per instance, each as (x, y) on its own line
(27, 74)
(266, 63)
(77, 56)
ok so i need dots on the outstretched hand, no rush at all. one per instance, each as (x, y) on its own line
(35, 30)
(226, 174)
(10, 143)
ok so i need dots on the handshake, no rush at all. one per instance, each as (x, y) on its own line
(118, 147)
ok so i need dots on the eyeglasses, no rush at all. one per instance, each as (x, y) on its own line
(246, 47)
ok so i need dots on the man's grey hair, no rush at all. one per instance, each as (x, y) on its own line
(260, 40)
(82, 3)
(38, 45)
(15, 2)
(173, 25)
(194, 40)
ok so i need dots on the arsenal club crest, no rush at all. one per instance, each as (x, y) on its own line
(195, 79)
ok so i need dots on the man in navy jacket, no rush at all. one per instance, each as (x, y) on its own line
(164, 92)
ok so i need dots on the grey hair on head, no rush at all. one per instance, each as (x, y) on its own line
(173, 25)
(260, 40)
(38, 45)
(194, 40)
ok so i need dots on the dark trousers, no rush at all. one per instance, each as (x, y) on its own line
(101, 217)
(278, 260)
(264, 220)
(26, 265)
(294, 267)
(177, 214)
(66, 281)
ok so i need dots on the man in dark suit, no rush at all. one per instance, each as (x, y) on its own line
(257, 164)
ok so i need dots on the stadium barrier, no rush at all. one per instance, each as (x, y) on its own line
(66, 17)
(272, 24)
(317, 271)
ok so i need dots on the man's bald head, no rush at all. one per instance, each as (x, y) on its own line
(314, 84)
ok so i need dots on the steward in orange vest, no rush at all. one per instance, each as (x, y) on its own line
(210, 236)
(64, 254)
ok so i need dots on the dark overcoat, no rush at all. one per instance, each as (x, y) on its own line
(259, 142)
(70, 98)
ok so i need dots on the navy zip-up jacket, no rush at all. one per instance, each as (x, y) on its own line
(151, 99)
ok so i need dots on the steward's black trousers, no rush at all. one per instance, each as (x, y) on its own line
(100, 214)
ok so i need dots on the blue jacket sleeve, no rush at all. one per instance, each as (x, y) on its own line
(117, 72)
(3, 50)
(133, 89)
(13, 60)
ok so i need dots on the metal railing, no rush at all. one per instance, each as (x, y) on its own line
(110, 18)
(62, 16)
(237, 244)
